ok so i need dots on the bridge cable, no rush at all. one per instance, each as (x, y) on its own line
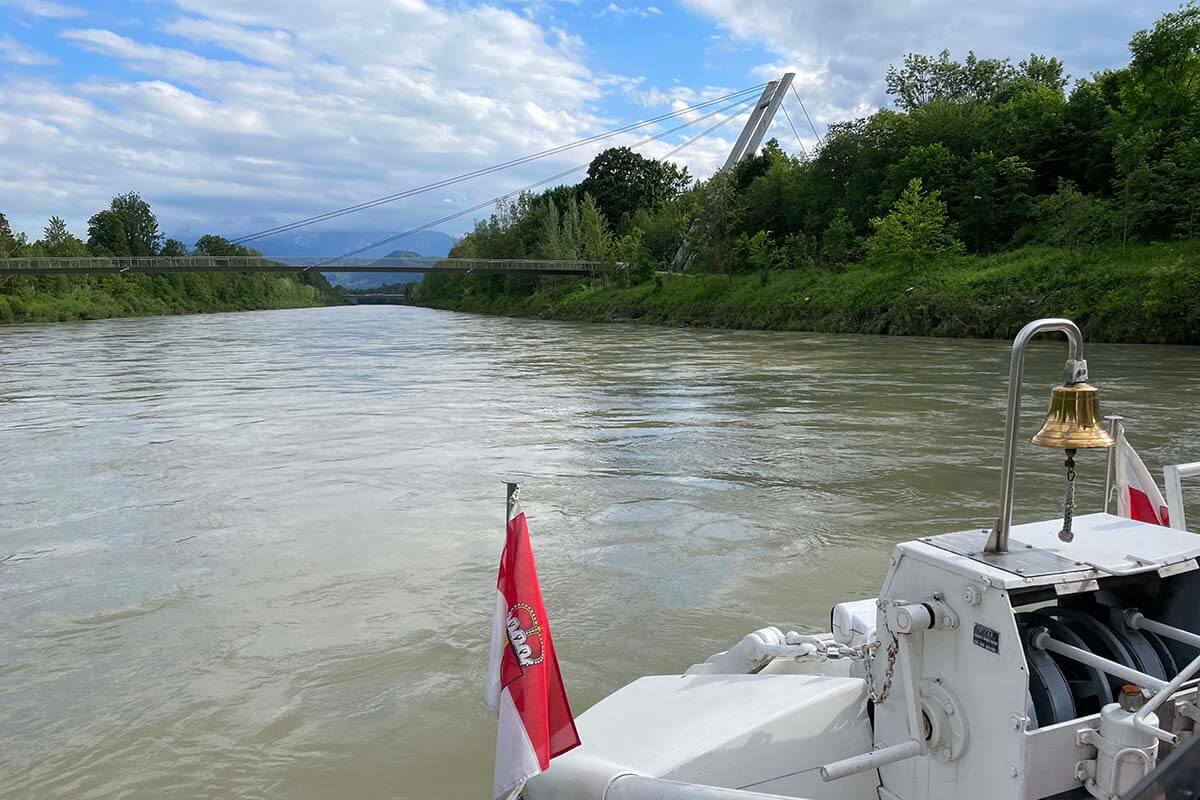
(485, 170)
(788, 116)
(389, 240)
(806, 116)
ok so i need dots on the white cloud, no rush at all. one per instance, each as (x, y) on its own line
(631, 11)
(14, 52)
(841, 50)
(321, 103)
(46, 8)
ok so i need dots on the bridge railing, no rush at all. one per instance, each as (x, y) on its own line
(148, 264)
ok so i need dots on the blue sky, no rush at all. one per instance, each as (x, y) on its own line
(232, 115)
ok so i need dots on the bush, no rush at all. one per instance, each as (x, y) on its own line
(916, 228)
(1069, 218)
(839, 242)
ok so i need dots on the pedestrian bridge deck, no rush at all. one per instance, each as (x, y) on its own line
(167, 264)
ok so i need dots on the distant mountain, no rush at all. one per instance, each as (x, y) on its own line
(309, 243)
(371, 280)
(334, 243)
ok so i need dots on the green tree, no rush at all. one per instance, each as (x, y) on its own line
(212, 245)
(58, 242)
(631, 249)
(933, 164)
(756, 253)
(550, 237)
(716, 224)
(923, 79)
(127, 227)
(1165, 70)
(173, 248)
(8, 242)
(1136, 183)
(106, 235)
(622, 181)
(596, 238)
(996, 201)
(1181, 180)
(771, 202)
(663, 229)
(1069, 218)
(571, 235)
(838, 239)
(916, 228)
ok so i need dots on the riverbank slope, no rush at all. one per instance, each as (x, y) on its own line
(1137, 293)
(61, 298)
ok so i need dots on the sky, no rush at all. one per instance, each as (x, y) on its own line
(231, 116)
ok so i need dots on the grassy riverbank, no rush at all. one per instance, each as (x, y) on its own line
(61, 298)
(1138, 293)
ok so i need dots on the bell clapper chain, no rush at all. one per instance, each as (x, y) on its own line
(1066, 534)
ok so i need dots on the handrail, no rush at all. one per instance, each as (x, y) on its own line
(1077, 373)
(1172, 482)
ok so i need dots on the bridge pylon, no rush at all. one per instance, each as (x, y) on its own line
(748, 141)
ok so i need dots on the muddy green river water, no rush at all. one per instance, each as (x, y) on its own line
(253, 555)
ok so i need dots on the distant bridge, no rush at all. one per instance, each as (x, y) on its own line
(167, 264)
(376, 299)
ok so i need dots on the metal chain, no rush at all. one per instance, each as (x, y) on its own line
(1066, 534)
(869, 651)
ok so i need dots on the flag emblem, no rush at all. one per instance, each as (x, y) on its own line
(525, 635)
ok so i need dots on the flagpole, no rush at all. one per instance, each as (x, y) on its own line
(1114, 427)
(510, 501)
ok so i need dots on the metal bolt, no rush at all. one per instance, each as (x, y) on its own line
(947, 622)
(1013, 771)
(949, 707)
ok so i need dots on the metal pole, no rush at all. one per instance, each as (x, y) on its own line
(769, 116)
(872, 760)
(1110, 471)
(510, 500)
(1138, 621)
(1042, 640)
(998, 540)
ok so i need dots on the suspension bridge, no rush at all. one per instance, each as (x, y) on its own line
(763, 102)
(166, 264)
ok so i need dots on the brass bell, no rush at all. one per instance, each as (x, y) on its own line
(1073, 421)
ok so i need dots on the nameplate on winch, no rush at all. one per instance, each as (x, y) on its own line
(987, 638)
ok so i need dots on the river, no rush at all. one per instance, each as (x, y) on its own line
(253, 555)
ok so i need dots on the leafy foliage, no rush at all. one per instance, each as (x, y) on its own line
(622, 181)
(1134, 293)
(8, 242)
(917, 228)
(1006, 154)
(128, 227)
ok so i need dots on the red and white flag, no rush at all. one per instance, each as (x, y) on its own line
(524, 686)
(1138, 496)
